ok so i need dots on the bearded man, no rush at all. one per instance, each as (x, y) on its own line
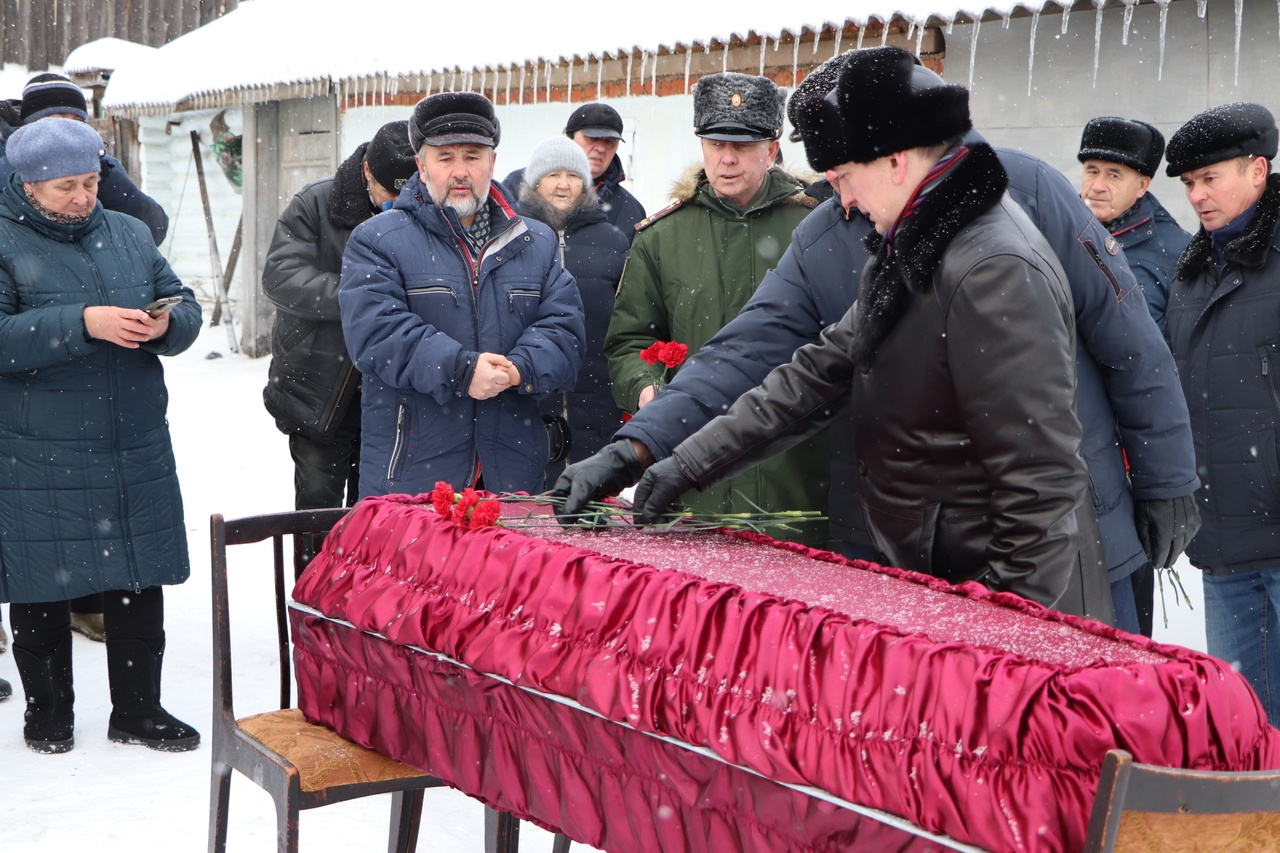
(459, 316)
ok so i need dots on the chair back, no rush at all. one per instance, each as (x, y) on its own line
(1146, 807)
(245, 531)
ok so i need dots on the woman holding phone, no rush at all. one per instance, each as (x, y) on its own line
(89, 498)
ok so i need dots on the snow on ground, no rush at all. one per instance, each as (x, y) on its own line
(109, 798)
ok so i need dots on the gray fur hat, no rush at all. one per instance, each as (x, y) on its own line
(54, 148)
(559, 152)
(734, 107)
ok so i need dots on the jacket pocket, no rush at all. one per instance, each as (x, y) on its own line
(1269, 355)
(395, 459)
(960, 542)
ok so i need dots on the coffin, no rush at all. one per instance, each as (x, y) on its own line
(974, 716)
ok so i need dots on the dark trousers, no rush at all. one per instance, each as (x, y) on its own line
(1144, 597)
(325, 474)
(128, 615)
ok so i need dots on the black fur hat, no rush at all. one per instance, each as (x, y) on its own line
(1221, 133)
(454, 118)
(737, 108)
(1129, 142)
(884, 101)
(817, 83)
(389, 156)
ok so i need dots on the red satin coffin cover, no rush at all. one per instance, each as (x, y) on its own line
(974, 715)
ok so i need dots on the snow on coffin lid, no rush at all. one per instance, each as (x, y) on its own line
(974, 715)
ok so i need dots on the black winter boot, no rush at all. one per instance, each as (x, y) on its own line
(133, 670)
(50, 718)
(6, 690)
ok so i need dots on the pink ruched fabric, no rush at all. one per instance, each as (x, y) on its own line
(974, 715)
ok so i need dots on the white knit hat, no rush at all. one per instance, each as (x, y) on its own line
(555, 154)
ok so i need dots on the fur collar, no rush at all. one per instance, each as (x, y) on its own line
(349, 203)
(973, 186)
(684, 188)
(1249, 250)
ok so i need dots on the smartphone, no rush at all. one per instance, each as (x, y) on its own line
(162, 305)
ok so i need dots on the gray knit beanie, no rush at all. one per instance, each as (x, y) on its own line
(555, 154)
(54, 148)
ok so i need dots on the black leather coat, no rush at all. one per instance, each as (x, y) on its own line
(964, 420)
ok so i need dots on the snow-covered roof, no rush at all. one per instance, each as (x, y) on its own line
(309, 46)
(105, 54)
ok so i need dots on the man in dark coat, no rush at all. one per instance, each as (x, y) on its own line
(1224, 328)
(597, 130)
(460, 317)
(1120, 156)
(313, 390)
(951, 372)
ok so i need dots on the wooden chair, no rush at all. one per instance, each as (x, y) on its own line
(302, 766)
(1150, 808)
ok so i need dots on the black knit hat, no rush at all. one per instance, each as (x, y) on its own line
(52, 94)
(390, 157)
(884, 101)
(1129, 142)
(598, 121)
(1221, 133)
(454, 118)
(733, 107)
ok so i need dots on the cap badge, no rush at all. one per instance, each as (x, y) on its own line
(735, 99)
(1112, 245)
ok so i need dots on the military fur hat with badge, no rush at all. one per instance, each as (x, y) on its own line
(732, 107)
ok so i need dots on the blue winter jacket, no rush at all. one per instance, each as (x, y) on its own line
(1152, 241)
(1128, 394)
(89, 497)
(417, 310)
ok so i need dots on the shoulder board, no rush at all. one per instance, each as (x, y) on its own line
(666, 211)
(807, 200)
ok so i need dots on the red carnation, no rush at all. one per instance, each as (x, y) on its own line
(485, 514)
(442, 498)
(673, 354)
(462, 509)
(652, 354)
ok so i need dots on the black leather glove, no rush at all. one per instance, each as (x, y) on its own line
(1165, 526)
(610, 471)
(659, 488)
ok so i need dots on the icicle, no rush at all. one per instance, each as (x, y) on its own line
(599, 77)
(795, 59)
(951, 24)
(548, 81)
(484, 72)
(1200, 8)
(653, 78)
(1006, 20)
(884, 31)
(726, 57)
(920, 37)
(1239, 22)
(644, 61)
(534, 88)
(840, 35)
(1097, 40)
(497, 72)
(523, 70)
(568, 93)
(1128, 19)
(817, 37)
(1031, 56)
(973, 48)
(764, 44)
(630, 56)
(1066, 14)
(688, 62)
(1164, 19)
(862, 31)
(911, 29)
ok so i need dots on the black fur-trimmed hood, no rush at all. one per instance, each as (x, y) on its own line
(1249, 250)
(973, 186)
(349, 202)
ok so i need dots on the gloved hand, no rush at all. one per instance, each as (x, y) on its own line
(610, 471)
(1165, 526)
(659, 488)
